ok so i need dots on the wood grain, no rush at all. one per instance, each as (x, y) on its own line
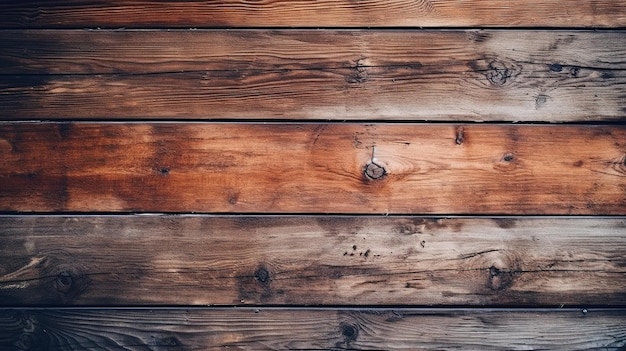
(311, 329)
(298, 13)
(327, 260)
(549, 76)
(64, 244)
(313, 168)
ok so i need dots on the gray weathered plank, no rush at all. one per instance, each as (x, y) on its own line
(205, 260)
(549, 76)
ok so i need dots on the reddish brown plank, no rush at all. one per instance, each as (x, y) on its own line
(206, 260)
(304, 168)
(312, 329)
(335, 13)
(559, 76)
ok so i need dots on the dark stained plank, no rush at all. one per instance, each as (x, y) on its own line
(313, 168)
(312, 329)
(547, 76)
(333, 13)
(207, 260)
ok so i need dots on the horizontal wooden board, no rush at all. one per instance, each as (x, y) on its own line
(207, 260)
(313, 168)
(65, 52)
(333, 13)
(311, 329)
(549, 76)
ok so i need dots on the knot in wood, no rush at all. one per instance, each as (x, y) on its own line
(26, 342)
(498, 73)
(26, 322)
(262, 275)
(358, 73)
(350, 332)
(375, 171)
(500, 280)
(63, 282)
(494, 271)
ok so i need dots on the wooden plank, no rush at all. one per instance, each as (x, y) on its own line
(545, 76)
(333, 13)
(158, 51)
(313, 168)
(311, 329)
(207, 260)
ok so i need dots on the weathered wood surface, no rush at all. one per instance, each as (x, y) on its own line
(206, 260)
(332, 13)
(420, 75)
(312, 329)
(313, 168)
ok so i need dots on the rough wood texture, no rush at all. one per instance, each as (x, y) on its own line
(313, 168)
(333, 13)
(438, 75)
(249, 64)
(200, 260)
(312, 329)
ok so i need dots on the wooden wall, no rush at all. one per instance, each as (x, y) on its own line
(313, 175)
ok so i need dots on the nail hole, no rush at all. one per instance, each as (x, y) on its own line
(460, 136)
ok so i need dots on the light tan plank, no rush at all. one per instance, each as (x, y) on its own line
(205, 260)
(313, 168)
(421, 75)
(375, 13)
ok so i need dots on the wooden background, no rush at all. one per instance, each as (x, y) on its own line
(318, 175)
